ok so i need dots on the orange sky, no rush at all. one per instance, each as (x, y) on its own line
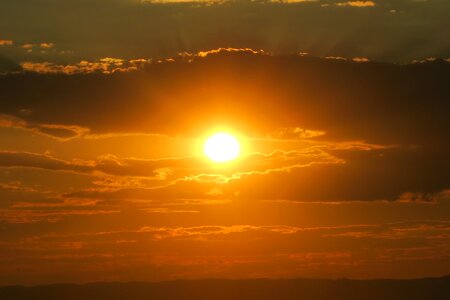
(344, 170)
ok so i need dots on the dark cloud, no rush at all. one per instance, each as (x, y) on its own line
(257, 93)
(58, 132)
(395, 175)
(399, 110)
(132, 28)
(32, 160)
(372, 175)
(172, 167)
(8, 65)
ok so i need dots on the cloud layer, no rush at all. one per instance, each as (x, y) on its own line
(344, 168)
(390, 31)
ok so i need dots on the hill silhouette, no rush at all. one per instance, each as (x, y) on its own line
(261, 289)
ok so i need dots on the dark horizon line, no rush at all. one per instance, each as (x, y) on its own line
(223, 279)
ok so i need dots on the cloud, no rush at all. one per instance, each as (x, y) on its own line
(356, 3)
(109, 65)
(6, 42)
(227, 50)
(292, 1)
(429, 60)
(287, 29)
(360, 59)
(218, 2)
(170, 168)
(315, 109)
(352, 122)
(55, 131)
(46, 45)
(356, 175)
(336, 58)
(424, 198)
(29, 47)
(296, 133)
(205, 2)
(344, 169)
(354, 59)
(234, 251)
(105, 65)
(16, 186)
(362, 177)
(24, 216)
(197, 182)
(41, 161)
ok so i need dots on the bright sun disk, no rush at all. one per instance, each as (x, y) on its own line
(222, 147)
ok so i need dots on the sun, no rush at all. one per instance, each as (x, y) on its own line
(222, 147)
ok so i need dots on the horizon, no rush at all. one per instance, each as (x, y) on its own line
(229, 279)
(240, 289)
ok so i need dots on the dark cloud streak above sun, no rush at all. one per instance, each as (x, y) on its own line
(180, 96)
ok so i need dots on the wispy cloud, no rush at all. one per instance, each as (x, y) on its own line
(54, 131)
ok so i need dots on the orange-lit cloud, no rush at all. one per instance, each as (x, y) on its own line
(225, 50)
(46, 45)
(357, 3)
(6, 42)
(105, 65)
(360, 59)
(296, 133)
(283, 250)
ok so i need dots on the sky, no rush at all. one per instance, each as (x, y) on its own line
(73, 30)
(341, 110)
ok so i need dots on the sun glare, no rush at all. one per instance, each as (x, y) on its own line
(222, 147)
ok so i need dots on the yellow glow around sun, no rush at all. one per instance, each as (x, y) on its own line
(222, 147)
